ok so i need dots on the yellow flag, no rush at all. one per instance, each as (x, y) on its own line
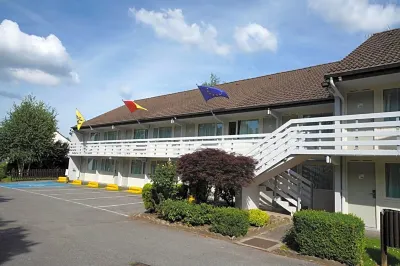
(79, 119)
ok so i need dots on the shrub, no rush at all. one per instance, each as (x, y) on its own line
(327, 235)
(165, 180)
(173, 210)
(147, 197)
(230, 221)
(258, 217)
(179, 210)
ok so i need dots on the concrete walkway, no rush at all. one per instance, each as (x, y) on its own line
(37, 228)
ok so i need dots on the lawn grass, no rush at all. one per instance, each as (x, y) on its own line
(372, 254)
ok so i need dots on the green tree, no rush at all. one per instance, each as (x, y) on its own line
(27, 132)
(214, 80)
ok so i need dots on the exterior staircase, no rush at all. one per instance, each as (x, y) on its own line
(302, 139)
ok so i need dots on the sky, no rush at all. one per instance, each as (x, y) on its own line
(90, 55)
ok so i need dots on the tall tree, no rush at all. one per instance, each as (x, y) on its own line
(27, 132)
(214, 80)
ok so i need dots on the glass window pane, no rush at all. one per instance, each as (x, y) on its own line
(393, 180)
(95, 136)
(165, 132)
(90, 164)
(219, 129)
(136, 167)
(177, 131)
(155, 133)
(248, 127)
(140, 134)
(391, 102)
(206, 130)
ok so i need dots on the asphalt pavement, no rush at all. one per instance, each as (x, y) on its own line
(67, 225)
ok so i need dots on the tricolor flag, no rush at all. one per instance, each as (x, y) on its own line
(79, 119)
(211, 92)
(132, 106)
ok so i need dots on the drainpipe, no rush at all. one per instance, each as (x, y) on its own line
(335, 89)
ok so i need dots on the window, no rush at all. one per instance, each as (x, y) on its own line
(248, 127)
(392, 180)
(111, 135)
(137, 167)
(92, 164)
(162, 132)
(107, 165)
(391, 101)
(95, 136)
(210, 129)
(140, 134)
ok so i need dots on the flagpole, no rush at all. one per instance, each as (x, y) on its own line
(135, 117)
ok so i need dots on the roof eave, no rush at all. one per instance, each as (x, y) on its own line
(360, 71)
(217, 112)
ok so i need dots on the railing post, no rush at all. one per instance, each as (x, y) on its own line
(398, 135)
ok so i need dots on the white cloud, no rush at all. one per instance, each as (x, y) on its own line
(357, 15)
(255, 37)
(171, 24)
(33, 59)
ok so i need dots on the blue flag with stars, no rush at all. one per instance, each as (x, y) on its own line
(211, 92)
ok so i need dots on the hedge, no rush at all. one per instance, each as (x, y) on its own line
(258, 217)
(182, 210)
(230, 221)
(334, 236)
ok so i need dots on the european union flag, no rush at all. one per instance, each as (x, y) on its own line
(211, 92)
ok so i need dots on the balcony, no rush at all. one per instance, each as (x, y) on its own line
(165, 147)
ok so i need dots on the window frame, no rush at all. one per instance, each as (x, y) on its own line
(157, 135)
(391, 197)
(93, 165)
(216, 127)
(146, 133)
(103, 165)
(142, 167)
(248, 120)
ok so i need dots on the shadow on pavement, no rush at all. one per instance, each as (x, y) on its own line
(375, 254)
(12, 238)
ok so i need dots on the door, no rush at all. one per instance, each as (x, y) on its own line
(361, 191)
(232, 128)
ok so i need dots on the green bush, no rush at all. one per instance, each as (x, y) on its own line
(327, 235)
(147, 197)
(182, 210)
(230, 221)
(165, 181)
(258, 217)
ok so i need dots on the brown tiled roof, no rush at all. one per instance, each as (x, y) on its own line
(302, 85)
(381, 50)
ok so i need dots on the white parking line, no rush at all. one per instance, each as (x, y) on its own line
(83, 192)
(120, 204)
(82, 204)
(107, 197)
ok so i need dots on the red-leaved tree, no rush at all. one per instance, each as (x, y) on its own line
(208, 168)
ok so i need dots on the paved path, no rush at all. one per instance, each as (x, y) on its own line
(66, 225)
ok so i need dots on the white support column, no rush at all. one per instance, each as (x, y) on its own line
(248, 198)
(337, 184)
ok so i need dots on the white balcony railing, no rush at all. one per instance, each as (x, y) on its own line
(165, 147)
(375, 134)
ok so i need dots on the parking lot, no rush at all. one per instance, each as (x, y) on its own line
(46, 223)
(118, 202)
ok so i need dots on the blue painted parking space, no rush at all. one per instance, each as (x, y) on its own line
(33, 184)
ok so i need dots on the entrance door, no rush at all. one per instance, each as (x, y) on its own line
(361, 191)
